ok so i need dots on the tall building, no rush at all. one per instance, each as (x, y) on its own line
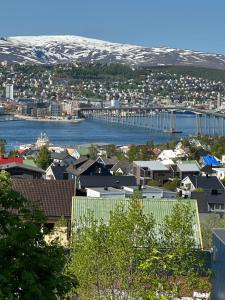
(9, 91)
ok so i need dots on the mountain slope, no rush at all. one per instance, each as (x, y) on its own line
(72, 49)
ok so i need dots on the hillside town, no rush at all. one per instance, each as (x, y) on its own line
(59, 90)
(68, 182)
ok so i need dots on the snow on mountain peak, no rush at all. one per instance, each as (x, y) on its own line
(71, 49)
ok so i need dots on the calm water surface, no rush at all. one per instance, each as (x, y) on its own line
(88, 131)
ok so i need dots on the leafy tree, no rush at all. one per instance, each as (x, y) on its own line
(29, 267)
(14, 153)
(44, 158)
(153, 182)
(110, 150)
(133, 153)
(92, 150)
(126, 259)
(2, 145)
(172, 185)
(106, 258)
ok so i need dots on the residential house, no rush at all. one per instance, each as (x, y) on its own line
(219, 172)
(150, 170)
(210, 184)
(121, 168)
(167, 154)
(187, 168)
(151, 192)
(56, 172)
(105, 192)
(53, 197)
(102, 207)
(208, 191)
(107, 162)
(94, 181)
(89, 167)
(62, 158)
(22, 170)
(210, 160)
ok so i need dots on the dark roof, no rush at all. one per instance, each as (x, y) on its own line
(123, 165)
(81, 169)
(206, 182)
(219, 233)
(204, 198)
(21, 166)
(53, 196)
(108, 161)
(80, 160)
(58, 171)
(107, 181)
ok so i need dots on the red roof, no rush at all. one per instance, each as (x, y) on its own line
(9, 160)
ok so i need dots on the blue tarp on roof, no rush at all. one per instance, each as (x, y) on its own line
(210, 160)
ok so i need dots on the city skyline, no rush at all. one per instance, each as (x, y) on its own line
(191, 25)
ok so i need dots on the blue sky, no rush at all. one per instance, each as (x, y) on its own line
(191, 24)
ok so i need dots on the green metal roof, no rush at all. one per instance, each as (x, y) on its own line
(30, 162)
(160, 208)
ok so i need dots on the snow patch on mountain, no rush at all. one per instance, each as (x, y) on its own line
(73, 49)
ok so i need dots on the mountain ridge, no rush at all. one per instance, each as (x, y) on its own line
(60, 49)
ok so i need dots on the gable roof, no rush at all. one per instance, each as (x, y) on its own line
(81, 169)
(107, 181)
(159, 208)
(58, 171)
(21, 166)
(153, 165)
(108, 160)
(53, 196)
(188, 167)
(210, 160)
(80, 160)
(59, 155)
(206, 182)
(123, 165)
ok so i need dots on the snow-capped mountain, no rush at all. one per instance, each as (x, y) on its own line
(72, 49)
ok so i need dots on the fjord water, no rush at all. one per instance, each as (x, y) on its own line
(88, 131)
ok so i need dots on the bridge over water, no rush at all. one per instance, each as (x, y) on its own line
(161, 119)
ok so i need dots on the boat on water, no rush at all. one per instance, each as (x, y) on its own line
(172, 131)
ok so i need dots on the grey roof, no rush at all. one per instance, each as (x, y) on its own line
(123, 165)
(108, 160)
(59, 155)
(207, 182)
(80, 160)
(188, 167)
(153, 165)
(21, 166)
(107, 181)
(220, 233)
(81, 169)
(206, 198)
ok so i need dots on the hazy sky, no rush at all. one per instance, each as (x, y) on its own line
(192, 24)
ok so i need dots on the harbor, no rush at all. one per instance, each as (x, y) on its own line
(90, 132)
